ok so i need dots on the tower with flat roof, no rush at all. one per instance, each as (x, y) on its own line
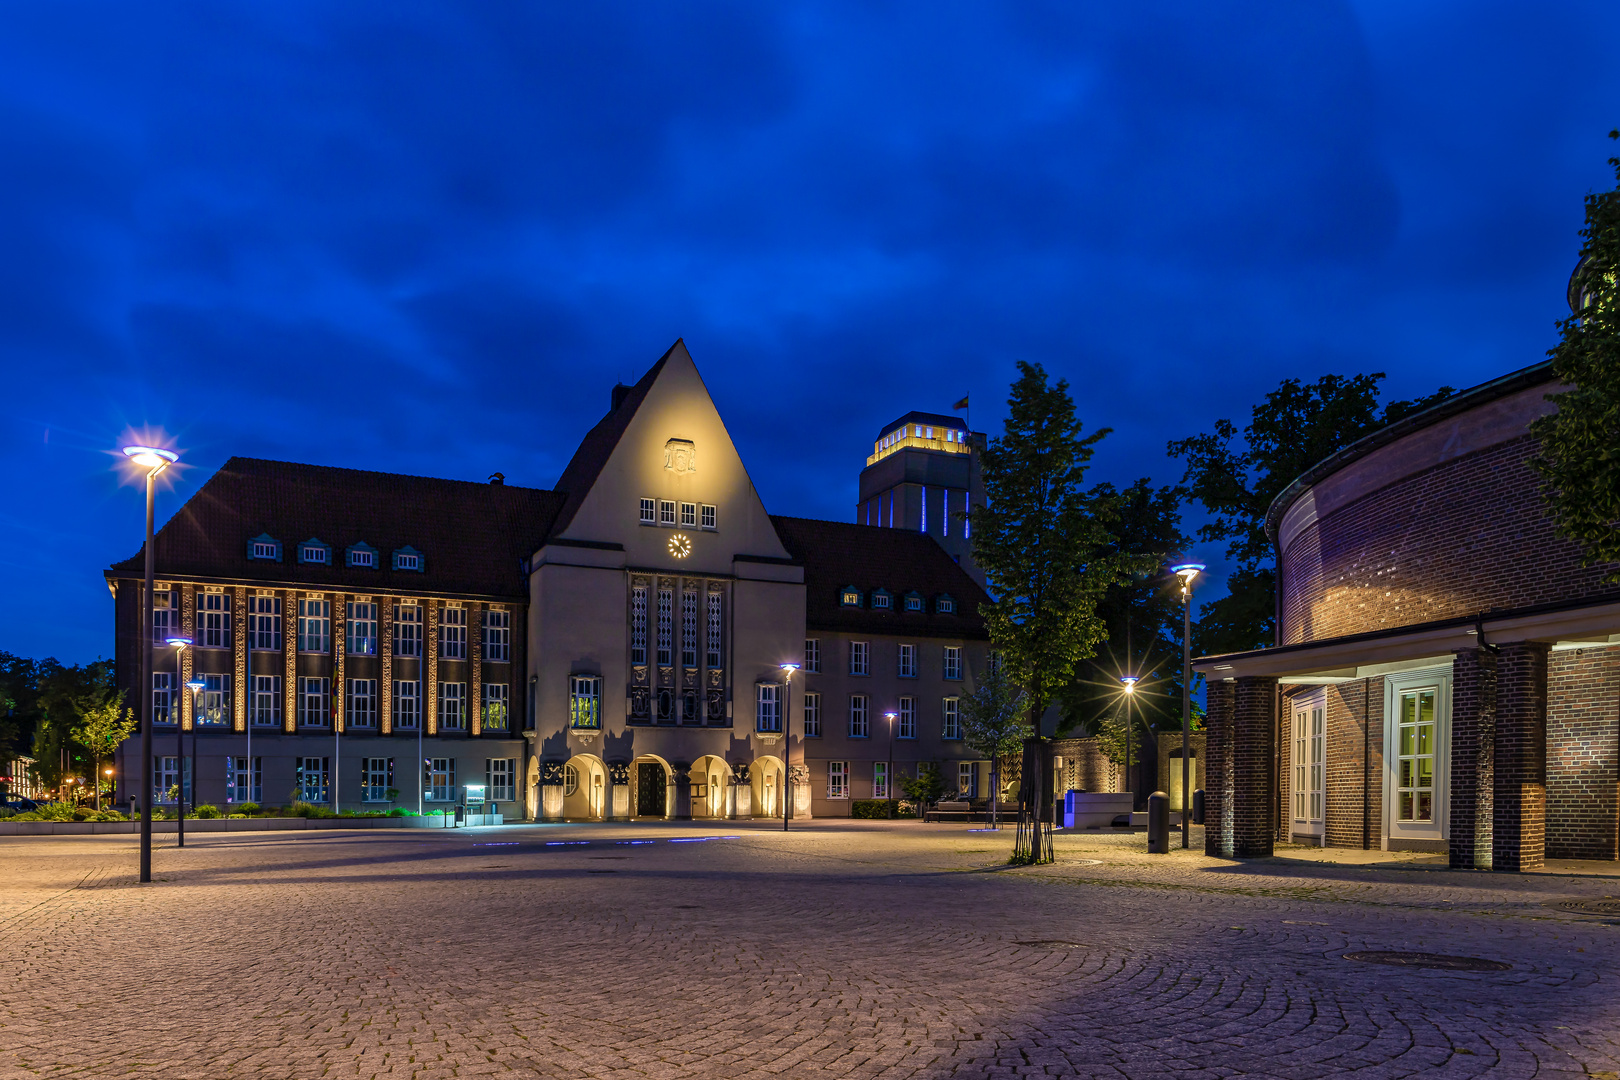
(923, 474)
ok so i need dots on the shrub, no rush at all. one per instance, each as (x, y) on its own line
(207, 810)
(5, 812)
(28, 815)
(233, 817)
(300, 808)
(248, 809)
(872, 808)
(57, 811)
(106, 815)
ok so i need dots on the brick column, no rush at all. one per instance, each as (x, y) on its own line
(1251, 751)
(1217, 769)
(1473, 741)
(1519, 816)
(430, 667)
(340, 648)
(475, 668)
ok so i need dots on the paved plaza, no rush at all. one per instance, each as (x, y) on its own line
(842, 949)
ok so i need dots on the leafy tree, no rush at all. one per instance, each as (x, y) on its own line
(1580, 443)
(994, 724)
(1049, 558)
(924, 788)
(1115, 728)
(1298, 425)
(103, 726)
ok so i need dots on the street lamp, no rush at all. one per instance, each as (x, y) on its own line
(196, 684)
(1186, 572)
(154, 460)
(888, 775)
(787, 742)
(1129, 682)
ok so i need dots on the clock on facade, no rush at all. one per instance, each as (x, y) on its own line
(680, 545)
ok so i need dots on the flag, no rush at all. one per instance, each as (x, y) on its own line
(960, 404)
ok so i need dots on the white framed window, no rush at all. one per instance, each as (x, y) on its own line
(945, 606)
(860, 716)
(850, 597)
(316, 554)
(967, 779)
(500, 777)
(860, 657)
(812, 714)
(314, 702)
(363, 557)
(688, 515)
(880, 780)
(951, 718)
(1417, 735)
(708, 516)
(689, 628)
(837, 779)
(310, 777)
(407, 704)
(953, 661)
(908, 661)
(452, 706)
(570, 780)
(376, 777)
(497, 635)
(812, 655)
(267, 549)
(497, 706)
(165, 614)
(666, 604)
(768, 708)
(264, 710)
(906, 722)
(214, 701)
(914, 603)
(163, 697)
(439, 779)
(264, 623)
(712, 657)
(214, 620)
(666, 512)
(407, 630)
(638, 625)
(1307, 765)
(453, 633)
(649, 512)
(244, 779)
(407, 559)
(881, 600)
(585, 702)
(360, 703)
(362, 628)
(314, 625)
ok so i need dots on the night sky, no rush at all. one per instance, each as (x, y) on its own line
(428, 238)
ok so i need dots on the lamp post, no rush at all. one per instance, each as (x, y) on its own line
(1186, 572)
(196, 684)
(787, 742)
(888, 775)
(1130, 682)
(154, 461)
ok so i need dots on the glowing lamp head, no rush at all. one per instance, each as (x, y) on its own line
(789, 669)
(196, 684)
(151, 458)
(1130, 682)
(178, 642)
(890, 716)
(1187, 571)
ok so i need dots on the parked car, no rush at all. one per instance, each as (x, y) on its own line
(20, 806)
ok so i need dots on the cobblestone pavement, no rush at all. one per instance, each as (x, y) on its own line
(856, 949)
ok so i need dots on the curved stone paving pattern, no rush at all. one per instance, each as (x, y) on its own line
(837, 950)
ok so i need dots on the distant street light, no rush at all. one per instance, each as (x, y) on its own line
(888, 774)
(1186, 572)
(154, 460)
(787, 742)
(196, 684)
(1129, 682)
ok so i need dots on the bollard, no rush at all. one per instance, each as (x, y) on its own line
(1158, 823)
(1198, 806)
(461, 816)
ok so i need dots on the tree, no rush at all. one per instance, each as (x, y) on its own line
(103, 726)
(1049, 558)
(1298, 425)
(926, 787)
(1580, 443)
(994, 724)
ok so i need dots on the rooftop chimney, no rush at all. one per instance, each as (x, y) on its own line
(620, 392)
(497, 478)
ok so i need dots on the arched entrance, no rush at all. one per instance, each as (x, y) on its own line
(711, 788)
(531, 789)
(584, 788)
(766, 779)
(651, 789)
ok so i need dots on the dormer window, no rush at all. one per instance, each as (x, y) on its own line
(362, 555)
(408, 558)
(313, 552)
(914, 602)
(945, 605)
(882, 600)
(264, 547)
(850, 596)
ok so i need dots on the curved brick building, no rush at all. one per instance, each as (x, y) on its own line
(1446, 676)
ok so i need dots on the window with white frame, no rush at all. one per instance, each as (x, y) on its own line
(585, 702)
(708, 516)
(214, 620)
(264, 710)
(453, 633)
(945, 605)
(439, 779)
(812, 714)
(264, 623)
(497, 635)
(452, 706)
(908, 661)
(314, 625)
(318, 554)
(967, 779)
(712, 653)
(376, 777)
(163, 697)
(408, 560)
(244, 779)
(497, 706)
(880, 780)
(666, 604)
(267, 549)
(953, 662)
(860, 716)
(167, 774)
(362, 629)
(310, 776)
(880, 600)
(951, 716)
(906, 722)
(638, 625)
(768, 708)
(860, 657)
(363, 557)
(165, 614)
(360, 703)
(500, 779)
(1308, 738)
(688, 515)
(407, 704)
(837, 779)
(666, 512)
(314, 702)
(914, 603)
(850, 597)
(214, 701)
(407, 630)
(812, 655)
(1415, 743)
(649, 512)
(689, 627)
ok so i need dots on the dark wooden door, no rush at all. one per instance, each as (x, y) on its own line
(650, 789)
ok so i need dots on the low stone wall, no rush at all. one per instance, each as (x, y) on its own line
(201, 825)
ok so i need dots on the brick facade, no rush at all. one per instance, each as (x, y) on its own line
(1519, 816)
(1583, 754)
(1473, 746)
(1218, 780)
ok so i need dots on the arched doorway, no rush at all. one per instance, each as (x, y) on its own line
(766, 780)
(531, 789)
(584, 788)
(651, 791)
(711, 788)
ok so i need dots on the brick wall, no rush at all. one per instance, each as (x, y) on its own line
(1218, 785)
(1353, 732)
(1251, 751)
(1519, 812)
(1583, 758)
(1086, 768)
(1473, 748)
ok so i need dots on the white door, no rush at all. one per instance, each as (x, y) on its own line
(1417, 740)
(1307, 750)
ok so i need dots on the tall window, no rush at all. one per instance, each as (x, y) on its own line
(860, 716)
(689, 628)
(860, 657)
(666, 512)
(407, 630)
(649, 512)
(214, 620)
(264, 710)
(439, 779)
(244, 779)
(167, 774)
(1414, 791)
(951, 728)
(453, 634)
(708, 516)
(500, 778)
(688, 515)
(812, 715)
(585, 701)
(953, 662)
(812, 654)
(163, 697)
(314, 626)
(768, 708)
(498, 636)
(452, 706)
(214, 701)
(880, 780)
(310, 775)
(837, 779)
(638, 625)
(497, 706)
(992, 661)
(264, 623)
(906, 722)
(712, 657)
(362, 630)
(376, 777)
(165, 614)
(967, 779)
(666, 601)
(908, 661)
(314, 702)
(407, 704)
(1308, 764)
(360, 703)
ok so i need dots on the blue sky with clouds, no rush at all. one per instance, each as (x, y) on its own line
(428, 238)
